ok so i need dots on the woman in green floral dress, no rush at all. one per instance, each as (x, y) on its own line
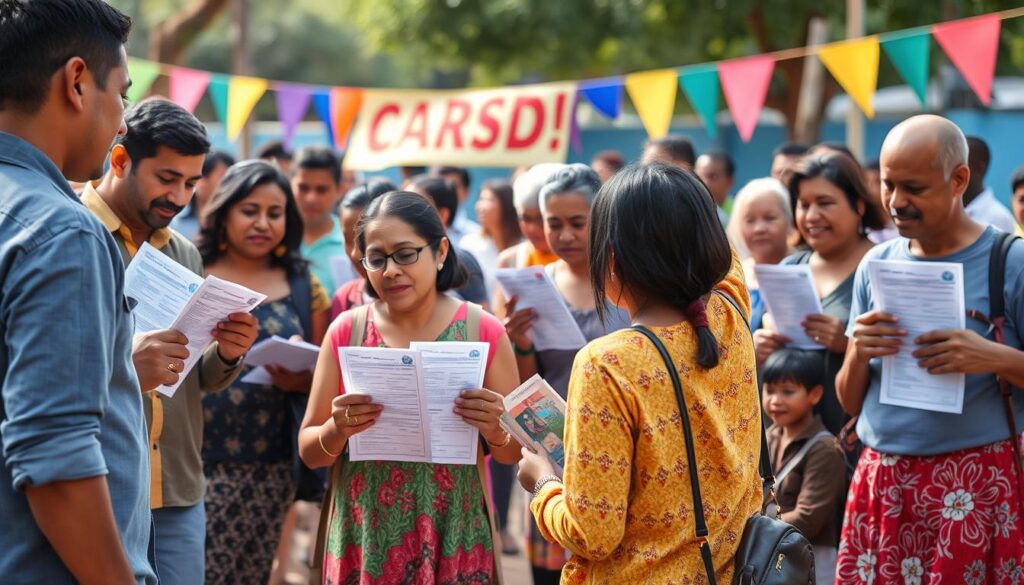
(398, 522)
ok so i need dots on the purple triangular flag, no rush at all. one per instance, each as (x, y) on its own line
(292, 104)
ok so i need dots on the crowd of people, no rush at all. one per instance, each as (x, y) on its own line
(105, 480)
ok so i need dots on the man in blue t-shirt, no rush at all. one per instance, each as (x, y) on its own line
(934, 494)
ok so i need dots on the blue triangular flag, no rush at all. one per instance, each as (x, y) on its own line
(605, 95)
(322, 104)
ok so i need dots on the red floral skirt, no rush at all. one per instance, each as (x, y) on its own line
(944, 519)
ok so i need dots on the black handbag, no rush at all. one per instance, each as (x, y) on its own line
(771, 552)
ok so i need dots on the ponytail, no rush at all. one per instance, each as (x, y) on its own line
(707, 345)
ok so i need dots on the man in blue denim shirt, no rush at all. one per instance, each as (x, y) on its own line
(74, 479)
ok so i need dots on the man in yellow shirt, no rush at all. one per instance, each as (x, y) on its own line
(153, 170)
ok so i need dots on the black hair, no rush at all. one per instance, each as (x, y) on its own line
(728, 164)
(462, 173)
(976, 147)
(1017, 178)
(802, 367)
(831, 145)
(843, 172)
(38, 37)
(274, 149)
(238, 183)
(440, 190)
(679, 148)
(214, 159)
(790, 149)
(661, 226)
(872, 164)
(612, 158)
(317, 158)
(416, 211)
(157, 122)
(361, 195)
(510, 230)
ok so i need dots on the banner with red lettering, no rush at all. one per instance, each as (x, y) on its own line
(504, 127)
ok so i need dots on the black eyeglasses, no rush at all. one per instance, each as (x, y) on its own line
(403, 257)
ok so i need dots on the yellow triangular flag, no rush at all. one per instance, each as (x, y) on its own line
(243, 93)
(654, 96)
(854, 64)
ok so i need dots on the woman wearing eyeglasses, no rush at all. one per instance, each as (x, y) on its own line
(251, 235)
(397, 522)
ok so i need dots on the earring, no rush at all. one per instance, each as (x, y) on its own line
(440, 267)
(223, 247)
(280, 250)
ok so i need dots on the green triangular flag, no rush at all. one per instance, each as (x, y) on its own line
(701, 87)
(219, 94)
(909, 52)
(143, 73)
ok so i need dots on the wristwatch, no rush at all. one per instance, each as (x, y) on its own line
(544, 481)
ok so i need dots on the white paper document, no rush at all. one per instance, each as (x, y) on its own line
(449, 367)
(158, 288)
(212, 302)
(394, 378)
(790, 296)
(926, 296)
(294, 356)
(554, 328)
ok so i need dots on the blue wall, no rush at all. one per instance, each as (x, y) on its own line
(1002, 130)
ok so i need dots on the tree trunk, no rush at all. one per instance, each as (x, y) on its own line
(170, 39)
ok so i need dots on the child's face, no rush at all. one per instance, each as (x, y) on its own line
(788, 403)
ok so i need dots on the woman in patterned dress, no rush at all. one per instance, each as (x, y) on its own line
(625, 509)
(251, 236)
(399, 522)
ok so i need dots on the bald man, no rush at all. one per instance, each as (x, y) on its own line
(935, 494)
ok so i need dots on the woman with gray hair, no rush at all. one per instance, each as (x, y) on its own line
(759, 229)
(564, 200)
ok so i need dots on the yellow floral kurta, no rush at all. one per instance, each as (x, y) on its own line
(626, 509)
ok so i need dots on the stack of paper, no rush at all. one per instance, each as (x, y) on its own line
(555, 327)
(294, 356)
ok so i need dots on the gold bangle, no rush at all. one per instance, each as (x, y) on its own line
(320, 439)
(508, 439)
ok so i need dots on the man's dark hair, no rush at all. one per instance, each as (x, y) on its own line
(37, 37)
(462, 173)
(155, 122)
(790, 149)
(274, 149)
(612, 158)
(728, 164)
(831, 145)
(677, 147)
(979, 155)
(441, 191)
(872, 164)
(802, 367)
(360, 196)
(1017, 179)
(317, 158)
(215, 159)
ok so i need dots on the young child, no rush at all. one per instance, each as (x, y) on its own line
(810, 470)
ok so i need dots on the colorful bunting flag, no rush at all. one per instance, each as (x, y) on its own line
(909, 53)
(654, 96)
(243, 93)
(700, 84)
(219, 90)
(143, 74)
(322, 105)
(345, 103)
(292, 103)
(972, 45)
(188, 86)
(745, 85)
(854, 64)
(605, 95)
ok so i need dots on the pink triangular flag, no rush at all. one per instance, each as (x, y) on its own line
(745, 85)
(972, 45)
(188, 87)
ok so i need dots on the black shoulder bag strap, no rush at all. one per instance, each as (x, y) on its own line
(997, 321)
(698, 503)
